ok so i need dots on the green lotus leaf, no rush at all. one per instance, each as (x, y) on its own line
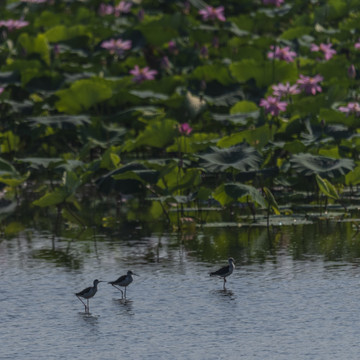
(257, 137)
(161, 30)
(47, 19)
(332, 116)
(13, 179)
(327, 188)
(296, 32)
(353, 177)
(193, 143)
(336, 68)
(221, 196)
(241, 192)
(271, 201)
(264, 73)
(240, 157)
(129, 179)
(6, 167)
(27, 69)
(158, 134)
(110, 159)
(35, 45)
(62, 33)
(82, 95)
(129, 175)
(163, 86)
(308, 165)
(308, 105)
(244, 106)
(230, 192)
(9, 142)
(178, 179)
(294, 147)
(218, 72)
(55, 197)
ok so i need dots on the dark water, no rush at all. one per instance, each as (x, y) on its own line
(293, 295)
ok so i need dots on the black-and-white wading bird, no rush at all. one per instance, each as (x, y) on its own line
(87, 294)
(225, 271)
(124, 281)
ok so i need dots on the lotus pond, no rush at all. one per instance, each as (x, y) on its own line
(177, 109)
(164, 137)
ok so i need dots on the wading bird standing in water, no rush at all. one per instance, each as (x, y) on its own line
(225, 271)
(124, 280)
(87, 294)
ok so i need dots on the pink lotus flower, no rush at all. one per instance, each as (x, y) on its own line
(2, 90)
(13, 24)
(185, 129)
(273, 2)
(281, 53)
(123, 7)
(284, 90)
(357, 45)
(116, 46)
(105, 9)
(273, 105)
(143, 74)
(211, 13)
(325, 48)
(310, 84)
(351, 108)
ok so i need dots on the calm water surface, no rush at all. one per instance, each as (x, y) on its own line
(281, 306)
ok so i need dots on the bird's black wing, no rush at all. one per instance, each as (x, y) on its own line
(221, 272)
(120, 279)
(81, 293)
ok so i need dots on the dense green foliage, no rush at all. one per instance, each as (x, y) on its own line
(78, 129)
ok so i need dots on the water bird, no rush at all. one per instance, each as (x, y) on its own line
(88, 293)
(225, 271)
(124, 281)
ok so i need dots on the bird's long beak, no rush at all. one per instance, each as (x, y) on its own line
(136, 274)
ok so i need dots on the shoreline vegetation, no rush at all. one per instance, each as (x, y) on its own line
(181, 113)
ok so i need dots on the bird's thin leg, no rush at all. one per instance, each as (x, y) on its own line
(125, 292)
(82, 302)
(88, 307)
(122, 293)
(224, 284)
